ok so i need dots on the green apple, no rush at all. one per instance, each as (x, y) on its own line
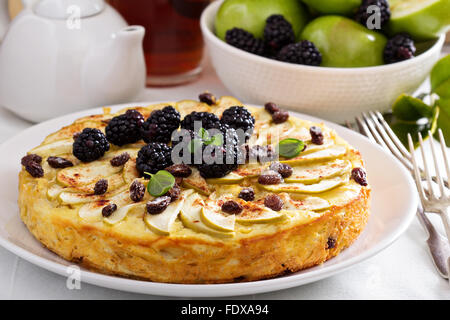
(423, 20)
(341, 7)
(302, 202)
(251, 15)
(263, 215)
(197, 182)
(213, 218)
(122, 212)
(344, 42)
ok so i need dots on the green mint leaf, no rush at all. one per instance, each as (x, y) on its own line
(160, 183)
(203, 134)
(216, 140)
(440, 78)
(290, 147)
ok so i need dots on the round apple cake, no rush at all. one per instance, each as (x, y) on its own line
(207, 191)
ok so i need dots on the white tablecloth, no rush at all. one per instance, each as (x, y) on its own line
(402, 271)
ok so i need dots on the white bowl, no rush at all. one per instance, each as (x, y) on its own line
(336, 94)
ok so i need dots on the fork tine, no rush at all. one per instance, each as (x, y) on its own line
(425, 167)
(436, 166)
(389, 143)
(393, 136)
(374, 131)
(444, 153)
(364, 129)
(417, 177)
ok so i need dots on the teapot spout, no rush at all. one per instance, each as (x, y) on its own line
(116, 69)
(130, 37)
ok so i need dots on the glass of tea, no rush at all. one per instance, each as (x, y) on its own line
(173, 43)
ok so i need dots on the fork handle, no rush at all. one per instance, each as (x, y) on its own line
(445, 216)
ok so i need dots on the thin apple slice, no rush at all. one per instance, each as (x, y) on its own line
(86, 173)
(92, 210)
(213, 217)
(190, 217)
(310, 148)
(54, 191)
(162, 223)
(121, 213)
(54, 148)
(322, 186)
(185, 107)
(78, 198)
(302, 202)
(129, 171)
(322, 155)
(256, 213)
(250, 170)
(230, 178)
(309, 174)
(197, 182)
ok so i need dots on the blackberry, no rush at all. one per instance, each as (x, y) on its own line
(153, 157)
(400, 47)
(362, 15)
(218, 161)
(239, 118)
(208, 120)
(244, 40)
(304, 52)
(125, 128)
(160, 125)
(278, 32)
(91, 144)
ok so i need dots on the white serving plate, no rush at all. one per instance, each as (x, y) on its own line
(394, 202)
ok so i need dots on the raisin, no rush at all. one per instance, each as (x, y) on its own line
(34, 169)
(280, 116)
(232, 207)
(174, 193)
(316, 135)
(178, 180)
(158, 205)
(271, 107)
(284, 169)
(274, 202)
(101, 186)
(331, 242)
(207, 98)
(359, 175)
(31, 158)
(59, 163)
(109, 209)
(179, 170)
(137, 191)
(270, 177)
(247, 194)
(120, 159)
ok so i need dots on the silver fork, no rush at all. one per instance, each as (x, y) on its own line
(376, 129)
(431, 201)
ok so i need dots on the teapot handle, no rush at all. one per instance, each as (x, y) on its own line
(4, 14)
(4, 17)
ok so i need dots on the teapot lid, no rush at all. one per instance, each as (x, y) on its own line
(63, 9)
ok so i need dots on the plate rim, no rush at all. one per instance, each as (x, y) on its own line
(214, 290)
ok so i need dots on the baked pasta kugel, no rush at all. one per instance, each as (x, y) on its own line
(105, 192)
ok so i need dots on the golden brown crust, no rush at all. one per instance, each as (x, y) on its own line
(189, 260)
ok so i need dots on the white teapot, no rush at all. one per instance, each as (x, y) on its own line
(59, 56)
